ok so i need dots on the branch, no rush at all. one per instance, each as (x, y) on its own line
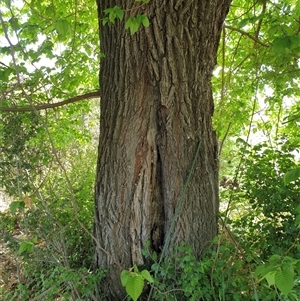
(248, 35)
(45, 106)
(1, 63)
(292, 119)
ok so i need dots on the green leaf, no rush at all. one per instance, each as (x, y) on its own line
(125, 275)
(17, 205)
(145, 21)
(113, 13)
(105, 21)
(8, 3)
(274, 29)
(5, 74)
(270, 277)
(274, 259)
(265, 272)
(63, 27)
(155, 266)
(243, 23)
(135, 268)
(259, 270)
(291, 176)
(134, 286)
(107, 11)
(146, 275)
(256, 18)
(295, 40)
(14, 23)
(5, 50)
(284, 279)
(282, 44)
(119, 13)
(242, 141)
(133, 25)
(26, 246)
(298, 267)
(287, 260)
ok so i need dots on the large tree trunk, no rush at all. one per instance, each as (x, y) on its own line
(156, 107)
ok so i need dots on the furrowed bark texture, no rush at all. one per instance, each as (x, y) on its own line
(156, 106)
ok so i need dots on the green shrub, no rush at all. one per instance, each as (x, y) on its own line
(54, 282)
(264, 208)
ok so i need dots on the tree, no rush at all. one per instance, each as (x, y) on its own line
(156, 118)
(156, 115)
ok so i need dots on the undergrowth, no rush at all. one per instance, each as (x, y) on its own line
(49, 247)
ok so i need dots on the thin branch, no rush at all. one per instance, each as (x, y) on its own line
(247, 35)
(45, 106)
(224, 138)
(292, 119)
(260, 20)
(1, 63)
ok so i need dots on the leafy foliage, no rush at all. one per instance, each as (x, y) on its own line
(51, 238)
(256, 82)
(41, 39)
(280, 272)
(268, 223)
(221, 275)
(113, 13)
(132, 23)
(133, 281)
(58, 281)
(292, 175)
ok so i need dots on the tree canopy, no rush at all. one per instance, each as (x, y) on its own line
(50, 53)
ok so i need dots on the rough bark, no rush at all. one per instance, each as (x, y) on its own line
(156, 106)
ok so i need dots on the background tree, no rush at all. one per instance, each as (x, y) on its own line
(156, 118)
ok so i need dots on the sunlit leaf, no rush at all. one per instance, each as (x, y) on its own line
(133, 25)
(134, 287)
(63, 27)
(145, 21)
(284, 279)
(292, 175)
(26, 246)
(270, 277)
(125, 275)
(147, 276)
